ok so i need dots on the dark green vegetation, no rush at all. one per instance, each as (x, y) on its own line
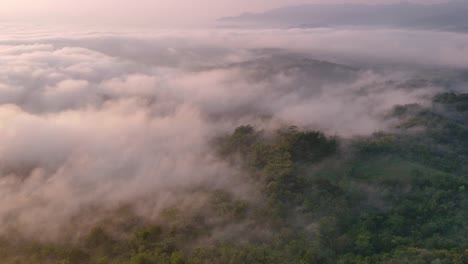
(397, 197)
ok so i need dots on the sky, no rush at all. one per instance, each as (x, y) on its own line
(154, 13)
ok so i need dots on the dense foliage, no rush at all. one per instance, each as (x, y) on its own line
(397, 197)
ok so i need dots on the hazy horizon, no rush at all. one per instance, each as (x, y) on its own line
(148, 13)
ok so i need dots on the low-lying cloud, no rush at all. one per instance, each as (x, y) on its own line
(103, 119)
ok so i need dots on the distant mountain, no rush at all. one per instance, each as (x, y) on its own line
(297, 66)
(451, 16)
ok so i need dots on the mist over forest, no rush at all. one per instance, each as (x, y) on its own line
(234, 145)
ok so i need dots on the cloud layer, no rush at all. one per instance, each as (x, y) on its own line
(99, 119)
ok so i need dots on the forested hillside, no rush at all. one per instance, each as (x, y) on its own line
(393, 197)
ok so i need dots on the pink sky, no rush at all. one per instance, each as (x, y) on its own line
(144, 12)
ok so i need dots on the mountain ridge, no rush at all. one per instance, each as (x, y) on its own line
(444, 16)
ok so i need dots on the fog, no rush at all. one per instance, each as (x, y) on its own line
(98, 119)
